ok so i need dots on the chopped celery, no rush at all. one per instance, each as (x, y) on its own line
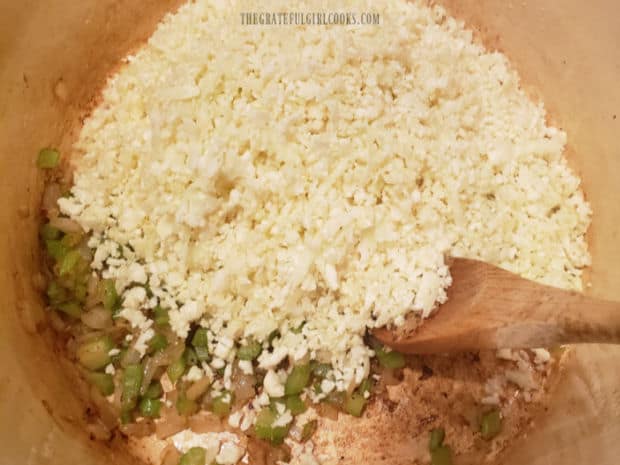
(354, 404)
(157, 343)
(72, 309)
(48, 158)
(391, 359)
(190, 357)
(365, 386)
(308, 430)
(132, 380)
(436, 438)
(264, 427)
(185, 406)
(200, 341)
(69, 262)
(441, 456)
(194, 456)
(49, 232)
(250, 351)
(108, 295)
(201, 338)
(150, 407)
(222, 404)
(491, 424)
(56, 293)
(295, 404)
(94, 354)
(102, 381)
(176, 369)
(297, 380)
(56, 249)
(160, 315)
(203, 354)
(154, 391)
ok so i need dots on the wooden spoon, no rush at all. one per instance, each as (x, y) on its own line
(491, 308)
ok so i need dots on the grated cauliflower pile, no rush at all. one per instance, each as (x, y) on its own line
(311, 179)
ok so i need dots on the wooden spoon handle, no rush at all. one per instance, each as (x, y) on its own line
(557, 316)
(513, 312)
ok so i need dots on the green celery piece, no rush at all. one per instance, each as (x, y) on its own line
(354, 404)
(73, 309)
(157, 343)
(264, 427)
(150, 407)
(69, 262)
(94, 354)
(391, 359)
(491, 424)
(48, 158)
(154, 391)
(102, 381)
(201, 338)
(222, 404)
(297, 380)
(308, 430)
(194, 456)
(436, 438)
(176, 369)
(109, 296)
(250, 351)
(160, 315)
(132, 380)
(56, 249)
(295, 404)
(190, 357)
(441, 456)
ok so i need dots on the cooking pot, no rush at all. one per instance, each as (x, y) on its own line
(54, 58)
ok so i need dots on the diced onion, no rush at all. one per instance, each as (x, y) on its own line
(97, 318)
(170, 423)
(139, 429)
(198, 388)
(244, 388)
(205, 422)
(66, 225)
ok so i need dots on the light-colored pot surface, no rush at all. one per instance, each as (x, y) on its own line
(54, 57)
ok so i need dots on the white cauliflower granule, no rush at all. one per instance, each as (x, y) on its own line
(258, 178)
